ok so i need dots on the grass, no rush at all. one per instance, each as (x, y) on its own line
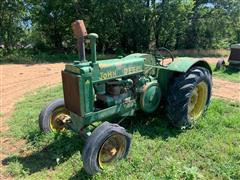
(229, 74)
(211, 150)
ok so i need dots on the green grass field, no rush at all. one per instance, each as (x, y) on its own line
(211, 150)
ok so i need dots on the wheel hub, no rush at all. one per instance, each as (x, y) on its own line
(197, 101)
(59, 118)
(111, 149)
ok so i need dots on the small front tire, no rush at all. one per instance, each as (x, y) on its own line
(53, 116)
(107, 143)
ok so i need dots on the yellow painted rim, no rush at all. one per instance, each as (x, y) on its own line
(112, 149)
(197, 101)
(57, 117)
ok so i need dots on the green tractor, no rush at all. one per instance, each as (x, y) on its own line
(100, 91)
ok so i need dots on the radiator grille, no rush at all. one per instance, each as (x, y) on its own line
(235, 54)
(71, 92)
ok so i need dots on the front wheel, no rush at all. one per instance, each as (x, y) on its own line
(189, 97)
(54, 116)
(107, 143)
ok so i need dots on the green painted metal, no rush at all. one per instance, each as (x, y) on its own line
(93, 37)
(165, 77)
(79, 123)
(149, 88)
(184, 64)
(109, 69)
(150, 97)
(165, 74)
(116, 68)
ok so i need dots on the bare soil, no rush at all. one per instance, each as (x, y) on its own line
(226, 90)
(213, 60)
(17, 80)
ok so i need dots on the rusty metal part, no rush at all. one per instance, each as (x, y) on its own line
(71, 92)
(79, 29)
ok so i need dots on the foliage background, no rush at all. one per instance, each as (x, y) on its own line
(123, 25)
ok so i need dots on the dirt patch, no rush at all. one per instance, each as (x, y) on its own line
(213, 60)
(209, 60)
(223, 88)
(16, 80)
(226, 90)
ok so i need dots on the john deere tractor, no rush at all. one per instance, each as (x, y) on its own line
(97, 92)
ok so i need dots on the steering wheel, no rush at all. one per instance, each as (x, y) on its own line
(159, 58)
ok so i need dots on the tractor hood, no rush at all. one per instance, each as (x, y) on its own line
(109, 69)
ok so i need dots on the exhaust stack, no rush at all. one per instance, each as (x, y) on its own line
(80, 32)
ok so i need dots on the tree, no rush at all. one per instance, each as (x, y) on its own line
(12, 15)
(123, 26)
(170, 20)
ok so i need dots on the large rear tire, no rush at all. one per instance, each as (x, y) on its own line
(189, 97)
(53, 116)
(107, 143)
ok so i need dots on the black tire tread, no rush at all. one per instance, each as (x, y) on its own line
(46, 112)
(179, 93)
(95, 141)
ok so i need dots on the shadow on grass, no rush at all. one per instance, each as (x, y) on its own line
(227, 69)
(55, 153)
(81, 175)
(151, 125)
(64, 146)
(231, 70)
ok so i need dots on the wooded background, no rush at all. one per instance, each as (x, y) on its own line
(122, 25)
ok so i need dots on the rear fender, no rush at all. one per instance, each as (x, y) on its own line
(183, 65)
(167, 75)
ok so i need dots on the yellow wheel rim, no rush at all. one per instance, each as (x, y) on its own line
(197, 101)
(112, 149)
(58, 119)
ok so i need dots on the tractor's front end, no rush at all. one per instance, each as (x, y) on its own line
(101, 91)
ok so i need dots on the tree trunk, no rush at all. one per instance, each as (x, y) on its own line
(157, 39)
(57, 37)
